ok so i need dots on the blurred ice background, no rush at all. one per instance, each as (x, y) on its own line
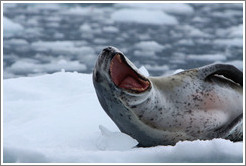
(45, 38)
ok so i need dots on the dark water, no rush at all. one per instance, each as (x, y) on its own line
(70, 36)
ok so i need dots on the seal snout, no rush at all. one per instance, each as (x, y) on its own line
(107, 50)
(125, 77)
(110, 50)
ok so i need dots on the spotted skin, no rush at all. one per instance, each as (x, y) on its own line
(193, 104)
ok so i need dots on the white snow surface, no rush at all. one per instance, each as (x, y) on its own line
(57, 118)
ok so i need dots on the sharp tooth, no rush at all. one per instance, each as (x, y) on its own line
(118, 58)
(111, 66)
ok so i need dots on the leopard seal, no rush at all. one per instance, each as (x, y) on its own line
(201, 103)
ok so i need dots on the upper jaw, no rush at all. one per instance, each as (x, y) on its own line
(122, 72)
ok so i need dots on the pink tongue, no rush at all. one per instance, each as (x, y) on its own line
(130, 83)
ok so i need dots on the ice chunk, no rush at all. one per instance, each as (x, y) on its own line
(149, 46)
(178, 71)
(229, 42)
(11, 28)
(115, 140)
(208, 57)
(177, 8)
(144, 71)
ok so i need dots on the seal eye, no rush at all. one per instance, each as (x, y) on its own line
(125, 77)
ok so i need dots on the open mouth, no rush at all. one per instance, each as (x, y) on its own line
(125, 77)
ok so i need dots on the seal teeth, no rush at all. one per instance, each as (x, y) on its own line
(138, 89)
(111, 66)
(118, 58)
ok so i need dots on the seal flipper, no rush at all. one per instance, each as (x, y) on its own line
(234, 130)
(228, 71)
(236, 133)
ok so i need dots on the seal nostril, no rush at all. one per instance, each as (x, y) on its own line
(108, 49)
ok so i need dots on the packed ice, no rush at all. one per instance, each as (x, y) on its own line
(57, 118)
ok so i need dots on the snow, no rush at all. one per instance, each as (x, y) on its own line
(11, 28)
(176, 8)
(238, 42)
(236, 31)
(47, 6)
(25, 65)
(193, 32)
(233, 32)
(208, 57)
(199, 19)
(186, 42)
(227, 13)
(85, 28)
(78, 49)
(232, 36)
(178, 71)
(144, 71)
(147, 48)
(149, 45)
(143, 16)
(237, 63)
(57, 118)
(16, 42)
(156, 67)
(115, 140)
(110, 29)
(81, 11)
(61, 46)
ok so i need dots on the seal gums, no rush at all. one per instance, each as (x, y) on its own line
(125, 77)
